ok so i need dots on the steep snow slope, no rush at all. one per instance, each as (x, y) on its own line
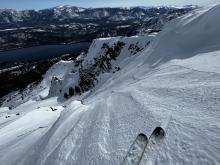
(194, 33)
(175, 82)
(22, 127)
(105, 57)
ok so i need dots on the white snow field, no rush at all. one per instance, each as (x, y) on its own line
(174, 83)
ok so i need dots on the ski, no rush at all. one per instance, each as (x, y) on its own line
(154, 143)
(136, 150)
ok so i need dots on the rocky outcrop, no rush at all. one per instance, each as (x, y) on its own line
(104, 57)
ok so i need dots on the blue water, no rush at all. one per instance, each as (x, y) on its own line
(42, 52)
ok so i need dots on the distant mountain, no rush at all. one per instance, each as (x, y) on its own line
(59, 14)
(70, 24)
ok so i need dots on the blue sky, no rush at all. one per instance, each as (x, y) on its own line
(40, 4)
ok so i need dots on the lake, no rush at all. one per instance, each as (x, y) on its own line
(42, 52)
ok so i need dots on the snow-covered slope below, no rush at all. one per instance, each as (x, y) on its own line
(173, 83)
(38, 91)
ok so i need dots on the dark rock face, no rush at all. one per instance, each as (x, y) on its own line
(88, 75)
(134, 48)
(101, 65)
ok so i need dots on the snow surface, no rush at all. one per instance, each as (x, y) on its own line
(175, 79)
(24, 126)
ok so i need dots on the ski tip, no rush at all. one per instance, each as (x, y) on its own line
(142, 136)
(159, 132)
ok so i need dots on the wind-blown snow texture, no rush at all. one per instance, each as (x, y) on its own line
(175, 79)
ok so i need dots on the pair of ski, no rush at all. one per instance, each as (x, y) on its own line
(143, 150)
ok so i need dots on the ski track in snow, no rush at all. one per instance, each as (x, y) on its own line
(101, 125)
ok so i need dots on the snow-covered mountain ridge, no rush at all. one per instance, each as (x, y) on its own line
(173, 79)
(61, 13)
(69, 24)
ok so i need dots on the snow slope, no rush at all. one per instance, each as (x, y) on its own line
(175, 82)
(193, 33)
(100, 63)
(24, 126)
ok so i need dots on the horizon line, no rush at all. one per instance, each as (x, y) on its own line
(143, 6)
